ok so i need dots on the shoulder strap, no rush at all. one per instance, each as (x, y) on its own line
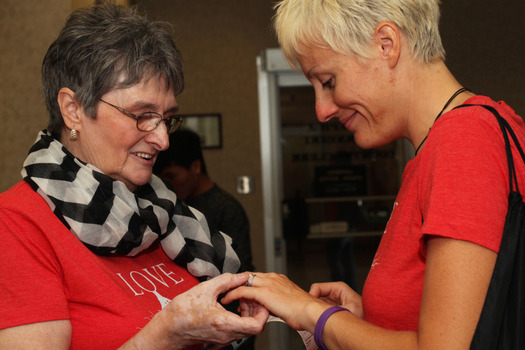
(506, 130)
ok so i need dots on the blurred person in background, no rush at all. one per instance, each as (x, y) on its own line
(183, 166)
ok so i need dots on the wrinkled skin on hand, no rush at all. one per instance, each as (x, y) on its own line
(195, 318)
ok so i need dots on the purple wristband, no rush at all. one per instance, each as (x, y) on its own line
(322, 321)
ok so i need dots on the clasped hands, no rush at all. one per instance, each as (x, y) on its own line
(196, 318)
(284, 299)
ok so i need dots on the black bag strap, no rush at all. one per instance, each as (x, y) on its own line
(500, 326)
(506, 130)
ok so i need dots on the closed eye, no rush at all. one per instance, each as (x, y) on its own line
(328, 84)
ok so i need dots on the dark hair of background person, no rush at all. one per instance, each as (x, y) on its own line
(184, 149)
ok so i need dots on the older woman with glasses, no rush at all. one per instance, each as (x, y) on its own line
(96, 252)
(377, 66)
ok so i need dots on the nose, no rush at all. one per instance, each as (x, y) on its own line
(325, 108)
(159, 137)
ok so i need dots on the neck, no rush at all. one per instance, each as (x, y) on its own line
(205, 184)
(431, 87)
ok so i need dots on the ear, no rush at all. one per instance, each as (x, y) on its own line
(69, 108)
(196, 167)
(388, 40)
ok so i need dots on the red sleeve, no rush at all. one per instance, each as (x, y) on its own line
(464, 187)
(31, 285)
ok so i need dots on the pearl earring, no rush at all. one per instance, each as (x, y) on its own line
(73, 136)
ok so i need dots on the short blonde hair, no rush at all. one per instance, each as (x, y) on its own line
(347, 26)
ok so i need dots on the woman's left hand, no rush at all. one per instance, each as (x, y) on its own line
(282, 298)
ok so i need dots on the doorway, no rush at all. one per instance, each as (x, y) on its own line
(326, 201)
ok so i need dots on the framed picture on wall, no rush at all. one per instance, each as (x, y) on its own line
(207, 126)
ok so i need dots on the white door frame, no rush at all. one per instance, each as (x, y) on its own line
(273, 72)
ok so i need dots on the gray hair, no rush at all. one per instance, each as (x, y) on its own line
(347, 26)
(106, 47)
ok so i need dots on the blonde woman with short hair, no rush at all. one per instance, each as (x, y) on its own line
(378, 68)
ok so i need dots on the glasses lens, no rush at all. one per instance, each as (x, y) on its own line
(173, 123)
(148, 121)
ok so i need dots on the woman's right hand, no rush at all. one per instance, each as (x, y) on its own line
(340, 294)
(195, 318)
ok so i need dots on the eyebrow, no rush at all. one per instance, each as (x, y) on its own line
(152, 107)
(309, 73)
(173, 110)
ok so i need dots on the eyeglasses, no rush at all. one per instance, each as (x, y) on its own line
(148, 121)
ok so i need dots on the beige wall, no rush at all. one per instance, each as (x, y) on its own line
(26, 30)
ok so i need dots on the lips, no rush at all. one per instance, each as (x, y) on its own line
(347, 120)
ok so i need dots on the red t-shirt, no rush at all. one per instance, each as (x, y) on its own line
(456, 187)
(48, 274)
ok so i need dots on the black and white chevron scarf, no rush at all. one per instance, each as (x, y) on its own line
(111, 220)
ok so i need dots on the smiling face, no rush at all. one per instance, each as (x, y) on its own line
(360, 94)
(112, 142)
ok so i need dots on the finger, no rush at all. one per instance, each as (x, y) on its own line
(315, 290)
(254, 311)
(239, 293)
(241, 327)
(261, 314)
(250, 308)
(322, 289)
(246, 306)
(225, 282)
